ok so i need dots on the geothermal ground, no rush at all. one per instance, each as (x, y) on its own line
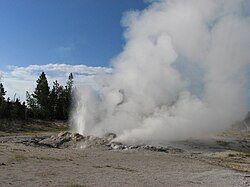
(69, 159)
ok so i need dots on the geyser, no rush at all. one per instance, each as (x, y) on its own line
(182, 72)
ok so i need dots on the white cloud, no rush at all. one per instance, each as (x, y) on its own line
(63, 68)
(17, 80)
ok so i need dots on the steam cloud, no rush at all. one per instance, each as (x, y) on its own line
(182, 73)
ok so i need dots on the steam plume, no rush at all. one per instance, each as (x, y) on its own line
(182, 72)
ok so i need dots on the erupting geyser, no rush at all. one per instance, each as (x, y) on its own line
(182, 72)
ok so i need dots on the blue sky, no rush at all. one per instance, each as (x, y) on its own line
(59, 37)
(62, 31)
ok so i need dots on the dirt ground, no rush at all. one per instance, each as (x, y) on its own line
(213, 162)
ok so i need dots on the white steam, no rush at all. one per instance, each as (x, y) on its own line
(182, 72)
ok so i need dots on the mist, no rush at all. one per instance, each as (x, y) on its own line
(182, 73)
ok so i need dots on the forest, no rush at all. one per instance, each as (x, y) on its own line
(44, 103)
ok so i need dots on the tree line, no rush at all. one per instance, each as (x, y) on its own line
(44, 103)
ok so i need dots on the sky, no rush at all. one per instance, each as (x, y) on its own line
(59, 36)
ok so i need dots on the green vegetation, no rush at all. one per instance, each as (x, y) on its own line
(44, 103)
(17, 158)
(76, 185)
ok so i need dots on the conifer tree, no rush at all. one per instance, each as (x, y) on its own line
(41, 95)
(68, 94)
(2, 93)
(55, 97)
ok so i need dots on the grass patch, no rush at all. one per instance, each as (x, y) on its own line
(30, 126)
(76, 185)
(49, 158)
(20, 157)
(17, 158)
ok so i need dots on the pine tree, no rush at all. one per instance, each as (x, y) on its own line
(70, 83)
(41, 96)
(31, 103)
(18, 110)
(31, 106)
(68, 95)
(61, 112)
(55, 97)
(3, 104)
(2, 93)
(50, 104)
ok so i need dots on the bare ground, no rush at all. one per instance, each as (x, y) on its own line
(222, 161)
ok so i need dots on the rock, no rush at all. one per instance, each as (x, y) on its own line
(120, 146)
(110, 136)
(67, 139)
(134, 146)
(51, 142)
(116, 145)
(76, 137)
(62, 140)
(94, 140)
(64, 134)
(30, 141)
(156, 148)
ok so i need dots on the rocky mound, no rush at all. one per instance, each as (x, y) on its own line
(68, 139)
(62, 140)
(120, 146)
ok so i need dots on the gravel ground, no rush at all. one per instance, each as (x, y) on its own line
(22, 165)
